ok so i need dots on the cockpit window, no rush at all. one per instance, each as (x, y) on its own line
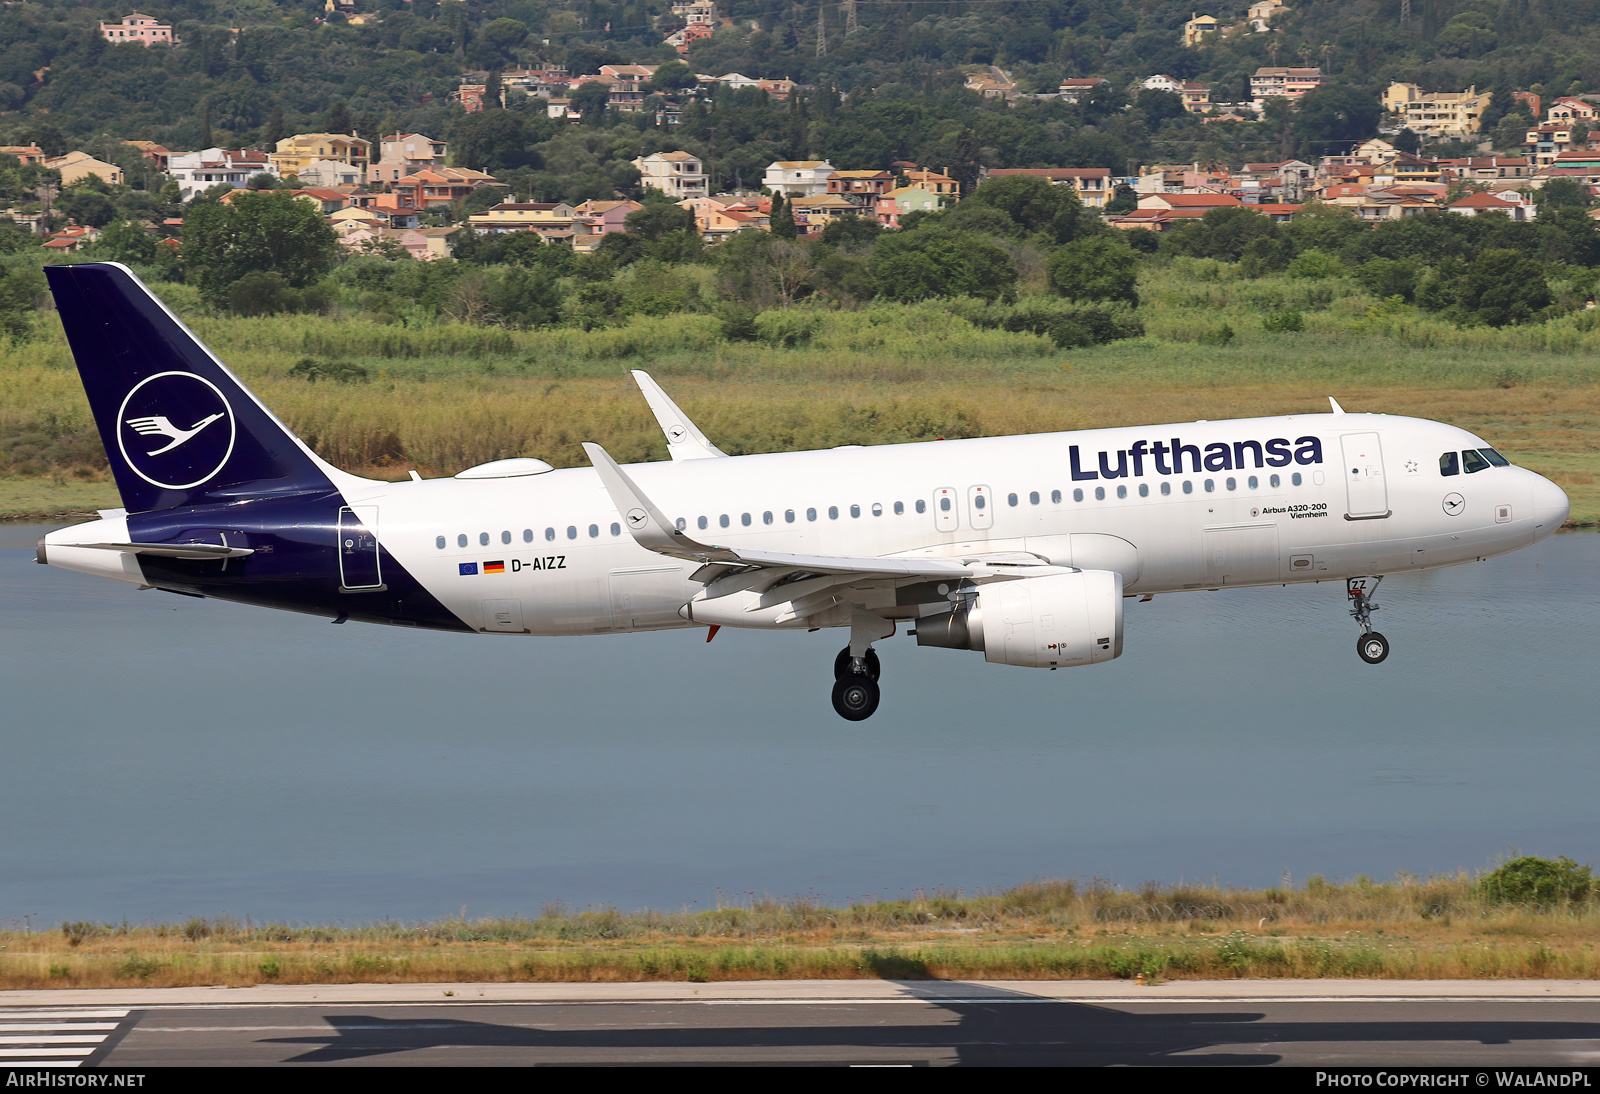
(1473, 462)
(1449, 465)
(1494, 457)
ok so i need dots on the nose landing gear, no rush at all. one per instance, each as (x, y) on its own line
(1371, 646)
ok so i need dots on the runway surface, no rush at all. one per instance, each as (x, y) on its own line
(839, 1023)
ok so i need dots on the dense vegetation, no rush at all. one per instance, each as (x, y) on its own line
(890, 90)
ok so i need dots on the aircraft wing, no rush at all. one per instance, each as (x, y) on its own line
(652, 530)
(684, 439)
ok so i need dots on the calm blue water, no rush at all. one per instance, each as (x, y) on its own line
(162, 757)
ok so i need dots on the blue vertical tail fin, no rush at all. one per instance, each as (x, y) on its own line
(178, 427)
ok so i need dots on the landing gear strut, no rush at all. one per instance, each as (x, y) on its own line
(1371, 646)
(842, 666)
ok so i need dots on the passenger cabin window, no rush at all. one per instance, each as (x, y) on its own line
(811, 514)
(833, 512)
(1099, 493)
(922, 506)
(1033, 497)
(594, 531)
(877, 508)
(766, 518)
(1144, 490)
(744, 519)
(1055, 497)
(549, 533)
(483, 539)
(1122, 491)
(788, 516)
(1077, 495)
(616, 529)
(722, 521)
(439, 543)
(899, 508)
(855, 510)
(1474, 462)
(701, 523)
(1449, 465)
(527, 535)
(1011, 499)
(505, 537)
(572, 531)
(1166, 488)
(461, 541)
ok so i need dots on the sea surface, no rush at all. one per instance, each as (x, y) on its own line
(163, 757)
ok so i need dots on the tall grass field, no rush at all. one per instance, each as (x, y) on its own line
(1412, 928)
(439, 396)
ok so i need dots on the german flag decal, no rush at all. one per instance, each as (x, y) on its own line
(494, 567)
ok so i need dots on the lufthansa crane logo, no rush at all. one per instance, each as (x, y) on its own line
(176, 430)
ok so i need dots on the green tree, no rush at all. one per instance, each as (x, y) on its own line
(590, 100)
(267, 232)
(781, 219)
(927, 262)
(125, 241)
(1564, 193)
(654, 222)
(1334, 116)
(1033, 204)
(1098, 268)
(1222, 233)
(1500, 288)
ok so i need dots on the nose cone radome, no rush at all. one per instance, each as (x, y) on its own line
(1550, 506)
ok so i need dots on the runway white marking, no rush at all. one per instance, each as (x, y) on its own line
(37, 1038)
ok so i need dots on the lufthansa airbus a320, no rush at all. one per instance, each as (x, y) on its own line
(1021, 548)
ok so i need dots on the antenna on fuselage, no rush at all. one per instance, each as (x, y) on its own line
(1337, 409)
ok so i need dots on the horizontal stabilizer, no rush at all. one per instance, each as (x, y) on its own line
(174, 550)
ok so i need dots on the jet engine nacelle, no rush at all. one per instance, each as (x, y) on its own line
(1036, 622)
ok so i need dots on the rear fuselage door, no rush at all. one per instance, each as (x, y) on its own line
(1368, 492)
(358, 548)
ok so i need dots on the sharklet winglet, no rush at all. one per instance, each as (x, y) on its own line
(684, 439)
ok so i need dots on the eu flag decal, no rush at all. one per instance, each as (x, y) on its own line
(468, 568)
(494, 567)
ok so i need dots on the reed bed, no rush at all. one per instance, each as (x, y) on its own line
(1435, 928)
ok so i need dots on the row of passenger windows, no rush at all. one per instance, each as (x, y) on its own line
(464, 540)
(1473, 460)
(790, 516)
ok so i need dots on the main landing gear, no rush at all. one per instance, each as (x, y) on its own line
(855, 670)
(1371, 646)
(855, 685)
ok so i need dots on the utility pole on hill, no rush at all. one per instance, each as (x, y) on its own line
(850, 16)
(822, 32)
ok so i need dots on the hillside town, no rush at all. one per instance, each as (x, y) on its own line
(404, 193)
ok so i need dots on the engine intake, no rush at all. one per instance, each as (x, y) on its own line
(1036, 622)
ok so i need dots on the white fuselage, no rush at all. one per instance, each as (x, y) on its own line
(546, 553)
